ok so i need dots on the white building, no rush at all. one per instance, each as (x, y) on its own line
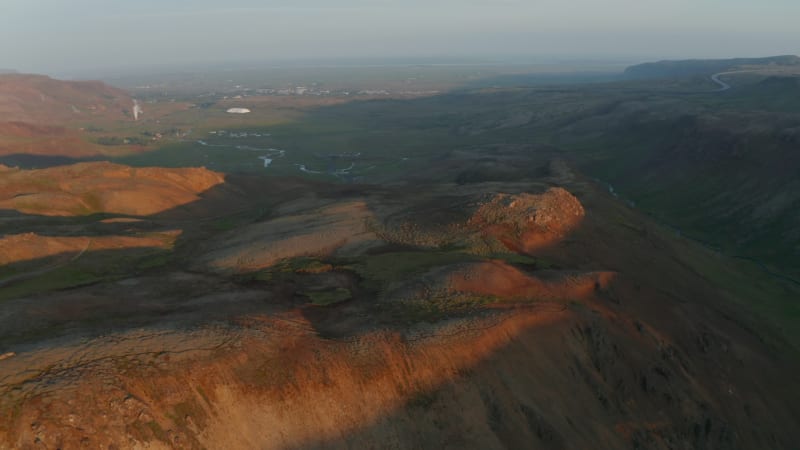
(238, 111)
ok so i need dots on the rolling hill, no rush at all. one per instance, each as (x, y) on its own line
(46, 117)
(452, 271)
(699, 67)
(44, 101)
(101, 187)
(525, 316)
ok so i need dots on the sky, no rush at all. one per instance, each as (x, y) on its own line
(63, 36)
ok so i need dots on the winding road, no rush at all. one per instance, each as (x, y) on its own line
(723, 86)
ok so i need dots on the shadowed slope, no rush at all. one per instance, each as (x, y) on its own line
(28, 246)
(654, 356)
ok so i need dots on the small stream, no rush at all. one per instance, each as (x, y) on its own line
(271, 153)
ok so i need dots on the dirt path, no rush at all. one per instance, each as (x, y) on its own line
(44, 270)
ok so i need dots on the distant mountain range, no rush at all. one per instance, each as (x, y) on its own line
(694, 67)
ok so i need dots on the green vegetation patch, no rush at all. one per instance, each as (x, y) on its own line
(329, 297)
(291, 266)
(423, 399)
(155, 261)
(523, 260)
(398, 266)
(111, 141)
(61, 278)
(439, 307)
(227, 223)
(157, 431)
(748, 286)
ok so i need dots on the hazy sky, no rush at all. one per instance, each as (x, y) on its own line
(57, 36)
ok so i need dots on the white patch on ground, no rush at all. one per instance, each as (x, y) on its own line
(304, 169)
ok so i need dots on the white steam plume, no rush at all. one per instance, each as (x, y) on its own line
(137, 109)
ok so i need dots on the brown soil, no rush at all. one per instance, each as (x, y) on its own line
(270, 385)
(89, 188)
(499, 279)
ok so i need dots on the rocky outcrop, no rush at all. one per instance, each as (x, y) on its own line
(527, 222)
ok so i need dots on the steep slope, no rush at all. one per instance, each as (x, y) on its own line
(42, 116)
(726, 176)
(42, 100)
(614, 334)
